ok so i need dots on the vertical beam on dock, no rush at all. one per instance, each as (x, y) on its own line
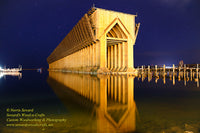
(197, 71)
(130, 54)
(94, 54)
(148, 69)
(164, 68)
(98, 54)
(123, 55)
(191, 74)
(173, 68)
(123, 90)
(109, 56)
(156, 68)
(115, 56)
(115, 88)
(91, 55)
(112, 57)
(119, 89)
(119, 55)
(103, 52)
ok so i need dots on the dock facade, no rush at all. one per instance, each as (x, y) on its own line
(101, 42)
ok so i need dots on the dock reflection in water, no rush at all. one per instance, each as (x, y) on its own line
(97, 104)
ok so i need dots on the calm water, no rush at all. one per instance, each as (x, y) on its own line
(62, 102)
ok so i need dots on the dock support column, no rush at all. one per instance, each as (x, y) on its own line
(91, 55)
(115, 57)
(123, 56)
(112, 57)
(81, 59)
(103, 55)
(197, 71)
(119, 55)
(130, 56)
(164, 69)
(89, 48)
(119, 89)
(98, 54)
(109, 52)
(94, 55)
(88, 56)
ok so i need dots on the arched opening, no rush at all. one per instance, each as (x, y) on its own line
(116, 40)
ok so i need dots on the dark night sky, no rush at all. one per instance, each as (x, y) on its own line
(31, 29)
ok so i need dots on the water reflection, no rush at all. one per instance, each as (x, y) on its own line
(109, 99)
(172, 76)
(13, 74)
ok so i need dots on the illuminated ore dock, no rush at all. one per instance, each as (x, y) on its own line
(100, 43)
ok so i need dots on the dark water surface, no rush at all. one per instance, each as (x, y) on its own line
(62, 102)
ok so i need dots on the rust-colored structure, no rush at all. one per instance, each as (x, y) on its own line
(101, 42)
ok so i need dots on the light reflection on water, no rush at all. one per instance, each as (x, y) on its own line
(172, 76)
(165, 102)
(13, 74)
(110, 100)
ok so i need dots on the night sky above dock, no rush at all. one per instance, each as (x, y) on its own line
(31, 29)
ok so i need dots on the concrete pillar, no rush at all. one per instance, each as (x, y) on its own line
(115, 56)
(103, 52)
(115, 88)
(112, 57)
(81, 57)
(126, 54)
(94, 55)
(123, 90)
(87, 55)
(109, 55)
(91, 55)
(130, 53)
(98, 54)
(119, 55)
(123, 55)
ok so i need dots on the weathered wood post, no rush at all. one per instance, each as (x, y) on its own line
(164, 70)
(191, 74)
(148, 69)
(142, 69)
(197, 71)
(156, 68)
(184, 70)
